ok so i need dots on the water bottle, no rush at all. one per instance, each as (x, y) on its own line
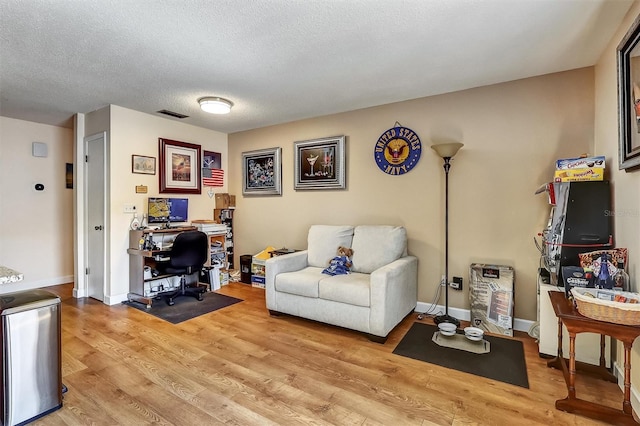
(621, 278)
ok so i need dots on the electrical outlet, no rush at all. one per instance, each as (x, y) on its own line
(129, 208)
(443, 280)
(456, 284)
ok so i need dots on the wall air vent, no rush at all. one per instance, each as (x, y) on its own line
(172, 114)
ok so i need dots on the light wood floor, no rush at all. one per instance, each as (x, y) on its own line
(240, 366)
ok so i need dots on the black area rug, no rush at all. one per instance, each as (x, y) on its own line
(186, 307)
(505, 362)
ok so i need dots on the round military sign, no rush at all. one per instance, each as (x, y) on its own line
(397, 150)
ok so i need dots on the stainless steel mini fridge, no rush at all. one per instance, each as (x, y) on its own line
(31, 355)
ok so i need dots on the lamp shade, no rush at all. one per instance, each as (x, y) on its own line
(447, 150)
(215, 105)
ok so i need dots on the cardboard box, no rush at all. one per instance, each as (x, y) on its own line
(579, 175)
(491, 295)
(581, 163)
(258, 267)
(223, 200)
(257, 281)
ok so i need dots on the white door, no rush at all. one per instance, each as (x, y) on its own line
(96, 217)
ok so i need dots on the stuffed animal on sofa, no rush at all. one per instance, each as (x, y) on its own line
(340, 264)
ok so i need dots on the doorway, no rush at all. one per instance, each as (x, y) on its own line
(95, 223)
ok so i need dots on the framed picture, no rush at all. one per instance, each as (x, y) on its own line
(320, 164)
(69, 175)
(143, 165)
(262, 172)
(211, 160)
(629, 99)
(179, 167)
(212, 173)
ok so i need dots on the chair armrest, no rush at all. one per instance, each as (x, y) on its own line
(277, 265)
(394, 293)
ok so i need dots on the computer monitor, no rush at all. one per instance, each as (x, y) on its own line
(168, 210)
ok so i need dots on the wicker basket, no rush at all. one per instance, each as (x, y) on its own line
(605, 310)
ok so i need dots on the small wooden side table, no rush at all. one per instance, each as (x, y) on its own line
(577, 323)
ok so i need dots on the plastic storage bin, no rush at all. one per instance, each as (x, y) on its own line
(31, 355)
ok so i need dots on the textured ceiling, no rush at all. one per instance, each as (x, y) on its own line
(280, 60)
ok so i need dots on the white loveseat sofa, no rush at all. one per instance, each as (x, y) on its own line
(378, 293)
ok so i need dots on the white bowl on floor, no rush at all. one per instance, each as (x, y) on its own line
(474, 333)
(447, 329)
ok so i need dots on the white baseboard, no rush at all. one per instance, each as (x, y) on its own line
(31, 285)
(115, 299)
(635, 395)
(465, 315)
(79, 293)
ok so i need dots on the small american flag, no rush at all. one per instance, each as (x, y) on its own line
(212, 177)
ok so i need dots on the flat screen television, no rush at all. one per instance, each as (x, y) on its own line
(168, 210)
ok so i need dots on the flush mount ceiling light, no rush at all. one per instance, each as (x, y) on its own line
(215, 105)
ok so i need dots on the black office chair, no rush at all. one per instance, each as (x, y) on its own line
(188, 255)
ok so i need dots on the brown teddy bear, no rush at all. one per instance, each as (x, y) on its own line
(341, 264)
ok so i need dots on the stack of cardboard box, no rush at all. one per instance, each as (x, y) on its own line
(579, 169)
(258, 267)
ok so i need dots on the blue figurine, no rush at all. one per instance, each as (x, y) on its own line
(604, 278)
(341, 264)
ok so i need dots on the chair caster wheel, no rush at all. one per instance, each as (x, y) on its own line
(170, 302)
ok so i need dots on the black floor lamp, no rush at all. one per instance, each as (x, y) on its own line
(446, 151)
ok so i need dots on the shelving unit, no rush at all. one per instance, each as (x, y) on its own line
(225, 216)
(577, 224)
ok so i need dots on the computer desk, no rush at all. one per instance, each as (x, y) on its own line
(139, 258)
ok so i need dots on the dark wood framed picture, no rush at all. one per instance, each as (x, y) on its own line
(179, 167)
(629, 99)
(319, 164)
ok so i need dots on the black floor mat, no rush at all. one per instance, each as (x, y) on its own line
(186, 307)
(505, 362)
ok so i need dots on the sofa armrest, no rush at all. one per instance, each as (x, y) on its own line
(277, 265)
(394, 293)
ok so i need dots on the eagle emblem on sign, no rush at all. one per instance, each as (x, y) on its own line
(397, 150)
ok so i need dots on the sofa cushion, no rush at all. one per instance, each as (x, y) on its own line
(302, 283)
(323, 242)
(376, 246)
(352, 289)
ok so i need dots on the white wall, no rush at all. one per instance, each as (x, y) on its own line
(513, 133)
(626, 185)
(36, 227)
(133, 132)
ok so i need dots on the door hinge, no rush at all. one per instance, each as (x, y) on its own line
(86, 158)
(86, 271)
